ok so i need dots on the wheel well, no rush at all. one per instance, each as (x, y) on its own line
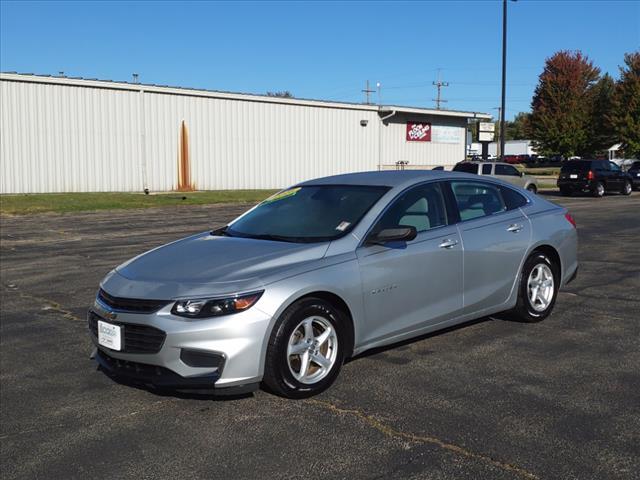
(551, 253)
(341, 305)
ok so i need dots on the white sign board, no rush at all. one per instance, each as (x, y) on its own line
(440, 134)
(487, 127)
(485, 136)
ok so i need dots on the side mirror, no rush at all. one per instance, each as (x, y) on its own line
(400, 234)
(522, 174)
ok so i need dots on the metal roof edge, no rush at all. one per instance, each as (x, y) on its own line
(165, 89)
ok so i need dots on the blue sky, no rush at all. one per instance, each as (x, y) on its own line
(324, 50)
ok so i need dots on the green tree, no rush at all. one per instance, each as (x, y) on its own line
(518, 128)
(561, 105)
(625, 115)
(282, 94)
(601, 131)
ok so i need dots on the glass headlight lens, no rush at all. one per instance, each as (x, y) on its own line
(204, 308)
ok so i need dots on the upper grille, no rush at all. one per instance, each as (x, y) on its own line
(137, 338)
(131, 305)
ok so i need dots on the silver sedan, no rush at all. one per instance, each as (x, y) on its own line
(325, 270)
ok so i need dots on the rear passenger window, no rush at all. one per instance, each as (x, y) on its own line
(477, 199)
(486, 169)
(512, 199)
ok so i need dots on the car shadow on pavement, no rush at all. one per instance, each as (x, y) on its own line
(200, 394)
(412, 340)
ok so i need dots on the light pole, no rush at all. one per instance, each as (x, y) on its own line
(504, 74)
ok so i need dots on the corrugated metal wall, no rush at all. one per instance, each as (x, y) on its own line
(71, 138)
(396, 148)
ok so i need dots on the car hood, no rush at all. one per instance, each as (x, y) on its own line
(205, 264)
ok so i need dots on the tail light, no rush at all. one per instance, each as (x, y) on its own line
(570, 219)
(590, 175)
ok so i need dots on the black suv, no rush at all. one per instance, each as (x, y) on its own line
(593, 176)
(634, 171)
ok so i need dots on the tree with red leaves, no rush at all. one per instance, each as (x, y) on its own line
(626, 106)
(562, 105)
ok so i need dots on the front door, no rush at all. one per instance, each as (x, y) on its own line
(411, 285)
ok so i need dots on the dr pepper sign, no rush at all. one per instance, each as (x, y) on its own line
(418, 132)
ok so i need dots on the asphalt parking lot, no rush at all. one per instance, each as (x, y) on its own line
(492, 399)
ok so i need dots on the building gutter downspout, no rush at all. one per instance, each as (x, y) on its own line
(382, 120)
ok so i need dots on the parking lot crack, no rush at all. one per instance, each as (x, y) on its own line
(423, 439)
(51, 305)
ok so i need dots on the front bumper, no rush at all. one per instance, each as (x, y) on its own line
(215, 353)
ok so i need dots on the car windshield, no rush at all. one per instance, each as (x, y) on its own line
(575, 166)
(307, 214)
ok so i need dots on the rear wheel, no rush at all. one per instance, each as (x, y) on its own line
(627, 188)
(565, 191)
(532, 188)
(598, 190)
(306, 349)
(538, 289)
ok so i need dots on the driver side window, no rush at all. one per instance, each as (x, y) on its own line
(421, 207)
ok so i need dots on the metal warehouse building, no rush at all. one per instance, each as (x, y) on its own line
(61, 134)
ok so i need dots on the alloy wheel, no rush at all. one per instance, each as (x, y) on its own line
(540, 287)
(312, 350)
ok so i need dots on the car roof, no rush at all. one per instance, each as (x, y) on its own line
(477, 162)
(388, 178)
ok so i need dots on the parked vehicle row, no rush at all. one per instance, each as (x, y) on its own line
(595, 177)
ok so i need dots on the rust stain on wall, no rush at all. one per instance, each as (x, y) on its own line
(184, 167)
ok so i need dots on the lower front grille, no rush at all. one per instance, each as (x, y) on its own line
(136, 338)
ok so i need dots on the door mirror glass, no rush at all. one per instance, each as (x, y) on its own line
(399, 234)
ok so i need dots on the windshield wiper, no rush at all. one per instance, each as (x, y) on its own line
(275, 238)
(221, 232)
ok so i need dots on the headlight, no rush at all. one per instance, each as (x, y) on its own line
(204, 307)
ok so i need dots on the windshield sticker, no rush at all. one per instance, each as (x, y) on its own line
(343, 226)
(285, 194)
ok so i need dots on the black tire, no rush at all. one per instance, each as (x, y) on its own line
(598, 190)
(532, 188)
(565, 192)
(524, 310)
(278, 378)
(627, 188)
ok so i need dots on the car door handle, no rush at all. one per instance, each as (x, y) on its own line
(448, 243)
(514, 228)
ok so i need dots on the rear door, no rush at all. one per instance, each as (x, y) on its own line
(495, 236)
(410, 285)
(509, 174)
(617, 178)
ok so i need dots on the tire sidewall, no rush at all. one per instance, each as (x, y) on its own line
(277, 367)
(599, 190)
(525, 309)
(628, 188)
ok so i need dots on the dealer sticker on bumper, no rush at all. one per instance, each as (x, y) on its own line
(109, 336)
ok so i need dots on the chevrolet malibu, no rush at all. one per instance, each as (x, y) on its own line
(325, 270)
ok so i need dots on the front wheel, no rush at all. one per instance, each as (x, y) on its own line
(627, 189)
(532, 188)
(538, 289)
(306, 349)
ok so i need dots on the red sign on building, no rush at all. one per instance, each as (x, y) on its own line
(418, 132)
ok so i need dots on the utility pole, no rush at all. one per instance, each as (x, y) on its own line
(504, 73)
(439, 84)
(500, 144)
(367, 91)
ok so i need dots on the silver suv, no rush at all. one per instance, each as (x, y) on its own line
(503, 171)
